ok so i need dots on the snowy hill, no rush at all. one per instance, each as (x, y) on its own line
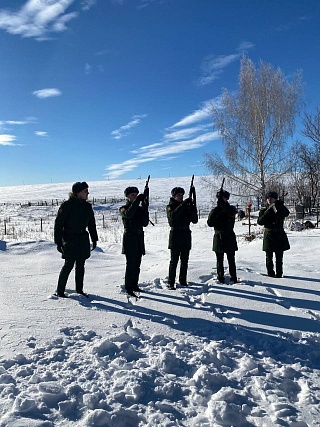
(213, 355)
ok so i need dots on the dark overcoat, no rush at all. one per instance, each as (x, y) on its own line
(180, 215)
(74, 217)
(134, 218)
(272, 217)
(222, 218)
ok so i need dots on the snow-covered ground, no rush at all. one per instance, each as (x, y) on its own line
(213, 355)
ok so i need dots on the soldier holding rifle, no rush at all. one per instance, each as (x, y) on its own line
(135, 216)
(180, 214)
(222, 218)
(275, 240)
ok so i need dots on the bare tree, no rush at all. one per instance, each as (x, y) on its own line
(311, 124)
(305, 161)
(255, 123)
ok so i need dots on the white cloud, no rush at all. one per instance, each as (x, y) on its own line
(12, 122)
(87, 69)
(41, 133)
(203, 113)
(47, 93)
(174, 143)
(124, 130)
(184, 133)
(37, 18)
(103, 52)
(214, 65)
(7, 124)
(87, 4)
(6, 139)
(159, 152)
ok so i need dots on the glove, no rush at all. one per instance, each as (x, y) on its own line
(279, 202)
(60, 248)
(94, 245)
(187, 201)
(140, 197)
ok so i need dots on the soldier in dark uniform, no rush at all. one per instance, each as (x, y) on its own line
(180, 214)
(71, 237)
(222, 218)
(275, 239)
(134, 218)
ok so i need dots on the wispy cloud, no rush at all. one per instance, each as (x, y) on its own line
(38, 18)
(214, 65)
(41, 133)
(47, 93)
(87, 4)
(293, 24)
(12, 122)
(7, 124)
(203, 113)
(6, 139)
(125, 129)
(87, 69)
(103, 52)
(174, 142)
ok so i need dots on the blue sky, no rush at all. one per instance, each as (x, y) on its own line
(119, 89)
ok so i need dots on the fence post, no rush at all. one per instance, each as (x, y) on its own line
(5, 227)
(103, 225)
(41, 225)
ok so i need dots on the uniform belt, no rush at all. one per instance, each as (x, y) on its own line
(273, 229)
(75, 232)
(131, 231)
(179, 228)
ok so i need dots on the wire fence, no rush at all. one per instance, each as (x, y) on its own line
(36, 219)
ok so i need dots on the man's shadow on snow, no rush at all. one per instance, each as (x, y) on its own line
(254, 338)
(304, 279)
(186, 324)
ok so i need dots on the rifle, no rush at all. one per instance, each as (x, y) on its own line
(192, 192)
(146, 195)
(146, 192)
(220, 198)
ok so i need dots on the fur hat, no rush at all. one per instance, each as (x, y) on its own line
(224, 193)
(177, 190)
(79, 186)
(272, 194)
(130, 190)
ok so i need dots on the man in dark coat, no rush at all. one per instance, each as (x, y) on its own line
(275, 239)
(71, 237)
(180, 214)
(135, 216)
(222, 218)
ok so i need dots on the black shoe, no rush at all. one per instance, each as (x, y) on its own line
(279, 275)
(221, 280)
(234, 279)
(271, 274)
(132, 294)
(61, 295)
(137, 289)
(183, 284)
(83, 293)
(171, 287)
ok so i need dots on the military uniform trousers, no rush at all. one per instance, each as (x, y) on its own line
(279, 263)
(183, 254)
(133, 262)
(231, 262)
(66, 270)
